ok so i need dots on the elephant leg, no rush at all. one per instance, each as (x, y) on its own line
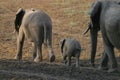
(50, 49)
(20, 41)
(104, 62)
(34, 51)
(51, 54)
(69, 60)
(38, 57)
(77, 59)
(64, 59)
(110, 52)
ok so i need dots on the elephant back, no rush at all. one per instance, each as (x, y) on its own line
(73, 44)
(36, 16)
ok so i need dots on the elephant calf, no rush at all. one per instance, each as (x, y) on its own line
(70, 48)
(36, 26)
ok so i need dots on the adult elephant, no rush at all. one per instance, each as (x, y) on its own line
(105, 16)
(36, 26)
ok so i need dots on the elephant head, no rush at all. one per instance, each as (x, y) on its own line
(18, 20)
(94, 27)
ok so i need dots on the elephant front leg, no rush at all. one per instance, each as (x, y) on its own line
(20, 41)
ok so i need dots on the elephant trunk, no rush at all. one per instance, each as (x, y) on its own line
(94, 34)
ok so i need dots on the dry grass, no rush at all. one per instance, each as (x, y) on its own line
(70, 18)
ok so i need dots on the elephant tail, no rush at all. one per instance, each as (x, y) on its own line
(45, 35)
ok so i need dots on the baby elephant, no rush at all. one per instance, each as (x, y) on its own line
(70, 48)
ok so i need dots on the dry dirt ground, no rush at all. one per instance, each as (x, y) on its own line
(70, 18)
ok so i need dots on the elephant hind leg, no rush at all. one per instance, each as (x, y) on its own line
(64, 58)
(20, 42)
(69, 61)
(110, 53)
(77, 58)
(112, 59)
(50, 49)
(51, 54)
(38, 57)
(104, 62)
(34, 51)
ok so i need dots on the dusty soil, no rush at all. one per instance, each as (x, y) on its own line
(70, 18)
(27, 70)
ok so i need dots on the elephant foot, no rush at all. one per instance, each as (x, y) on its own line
(52, 58)
(18, 57)
(37, 60)
(113, 70)
(102, 68)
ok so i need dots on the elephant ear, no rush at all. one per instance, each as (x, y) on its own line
(62, 44)
(95, 13)
(18, 20)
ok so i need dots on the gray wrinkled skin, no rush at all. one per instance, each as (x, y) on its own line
(70, 48)
(105, 16)
(36, 27)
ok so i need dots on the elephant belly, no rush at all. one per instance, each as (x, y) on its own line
(114, 38)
